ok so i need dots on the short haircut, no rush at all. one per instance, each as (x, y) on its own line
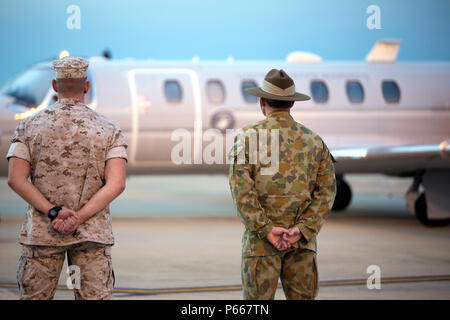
(70, 85)
(279, 103)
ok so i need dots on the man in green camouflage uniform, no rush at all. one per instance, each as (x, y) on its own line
(284, 208)
(76, 160)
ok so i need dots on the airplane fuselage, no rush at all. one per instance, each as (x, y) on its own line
(354, 104)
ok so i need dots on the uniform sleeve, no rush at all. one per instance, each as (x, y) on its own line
(311, 220)
(244, 193)
(19, 147)
(118, 146)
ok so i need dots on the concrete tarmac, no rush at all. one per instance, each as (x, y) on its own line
(187, 256)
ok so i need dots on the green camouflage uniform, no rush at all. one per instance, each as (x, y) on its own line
(300, 193)
(67, 145)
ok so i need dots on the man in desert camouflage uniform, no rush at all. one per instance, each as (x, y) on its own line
(283, 208)
(76, 160)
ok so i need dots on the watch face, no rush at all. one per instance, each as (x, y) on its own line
(53, 212)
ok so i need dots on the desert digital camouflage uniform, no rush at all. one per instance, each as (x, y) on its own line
(67, 145)
(40, 267)
(300, 193)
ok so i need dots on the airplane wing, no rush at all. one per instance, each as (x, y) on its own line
(395, 160)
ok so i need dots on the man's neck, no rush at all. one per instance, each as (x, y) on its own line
(77, 97)
(272, 110)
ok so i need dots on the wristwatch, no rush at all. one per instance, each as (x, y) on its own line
(53, 213)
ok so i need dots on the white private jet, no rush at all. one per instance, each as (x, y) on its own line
(377, 116)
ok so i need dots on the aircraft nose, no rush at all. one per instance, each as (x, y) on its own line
(5, 101)
(7, 123)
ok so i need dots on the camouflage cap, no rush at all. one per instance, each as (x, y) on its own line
(70, 67)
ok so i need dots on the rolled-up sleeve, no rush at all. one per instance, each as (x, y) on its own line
(118, 146)
(19, 147)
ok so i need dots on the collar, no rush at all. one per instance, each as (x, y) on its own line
(280, 115)
(70, 101)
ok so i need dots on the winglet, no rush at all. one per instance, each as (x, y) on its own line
(384, 51)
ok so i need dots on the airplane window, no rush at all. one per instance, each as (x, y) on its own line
(391, 91)
(355, 92)
(173, 91)
(319, 91)
(248, 97)
(30, 88)
(215, 91)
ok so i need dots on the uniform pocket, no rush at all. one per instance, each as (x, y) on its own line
(23, 265)
(111, 281)
(253, 246)
(38, 272)
(27, 251)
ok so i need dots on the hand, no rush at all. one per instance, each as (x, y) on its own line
(275, 237)
(66, 222)
(71, 224)
(293, 236)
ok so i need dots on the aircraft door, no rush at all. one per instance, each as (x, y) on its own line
(164, 100)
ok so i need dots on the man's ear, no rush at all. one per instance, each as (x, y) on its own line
(262, 104)
(87, 85)
(54, 86)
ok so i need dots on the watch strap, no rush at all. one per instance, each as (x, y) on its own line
(53, 216)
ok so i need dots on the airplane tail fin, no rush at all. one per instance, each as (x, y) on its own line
(384, 51)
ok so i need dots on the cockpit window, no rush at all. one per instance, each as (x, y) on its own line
(30, 88)
(247, 96)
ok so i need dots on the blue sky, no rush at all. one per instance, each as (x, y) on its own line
(33, 31)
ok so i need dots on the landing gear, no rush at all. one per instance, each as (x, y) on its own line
(343, 194)
(421, 207)
(420, 210)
